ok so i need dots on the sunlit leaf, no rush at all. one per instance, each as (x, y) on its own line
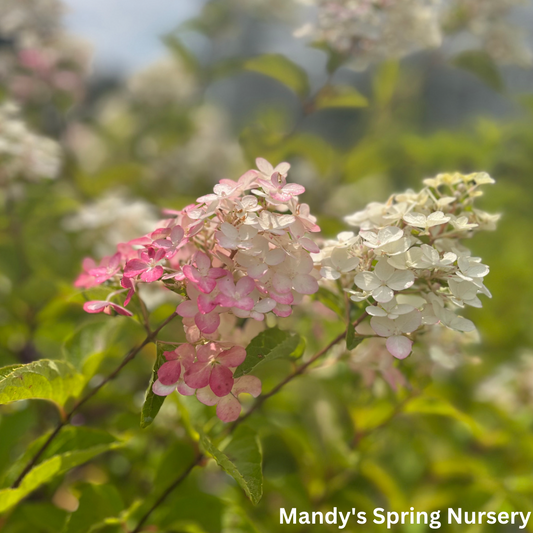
(442, 407)
(241, 459)
(152, 402)
(69, 439)
(385, 81)
(282, 69)
(46, 379)
(86, 347)
(51, 468)
(340, 96)
(270, 344)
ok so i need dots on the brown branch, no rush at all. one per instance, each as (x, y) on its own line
(197, 460)
(68, 415)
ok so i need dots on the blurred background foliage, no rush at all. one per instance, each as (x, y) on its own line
(458, 434)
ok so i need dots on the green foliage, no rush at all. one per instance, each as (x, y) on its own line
(270, 344)
(86, 348)
(152, 402)
(241, 459)
(331, 300)
(480, 64)
(75, 447)
(99, 505)
(280, 68)
(352, 339)
(385, 82)
(340, 96)
(55, 381)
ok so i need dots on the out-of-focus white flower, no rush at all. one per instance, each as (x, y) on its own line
(370, 30)
(24, 154)
(163, 83)
(113, 218)
(367, 31)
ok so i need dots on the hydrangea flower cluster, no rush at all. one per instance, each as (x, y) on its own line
(243, 250)
(372, 30)
(41, 59)
(407, 266)
(24, 154)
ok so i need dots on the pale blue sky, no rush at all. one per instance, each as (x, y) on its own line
(124, 33)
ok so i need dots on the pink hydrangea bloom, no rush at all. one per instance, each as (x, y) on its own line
(147, 267)
(170, 374)
(228, 407)
(213, 368)
(242, 250)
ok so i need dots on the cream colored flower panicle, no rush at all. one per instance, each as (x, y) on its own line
(408, 262)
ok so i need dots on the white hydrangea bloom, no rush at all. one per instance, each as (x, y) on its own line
(411, 267)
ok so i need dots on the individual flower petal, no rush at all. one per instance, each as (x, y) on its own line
(162, 390)
(368, 281)
(188, 308)
(401, 279)
(152, 274)
(247, 384)
(197, 376)
(207, 396)
(305, 284)
(383, 326)
(408, 322)
(169, 372)
(383, 270)
(207, 323)
(228, 409)
(221, 380)
(233, 357)
(399, 346)
(383, 294)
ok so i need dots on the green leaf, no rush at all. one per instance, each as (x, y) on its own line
(385, 82)
(340, 96)
(46, 379)
(235, 520)
(433, 405)
(98, 505)
(481, 65)
(352, 339)
(281, 69)
(241, 459)
(270, 344)
(36, 517)
(335, 58)
(152, 402)
(53, 467)
(6, 370)
(69, 439)
(85, 348)
(331, 301)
